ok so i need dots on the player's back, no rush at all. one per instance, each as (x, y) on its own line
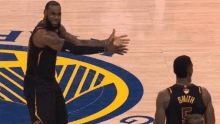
(184, 100)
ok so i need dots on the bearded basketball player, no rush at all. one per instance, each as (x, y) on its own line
(183, 98)
(44, 97)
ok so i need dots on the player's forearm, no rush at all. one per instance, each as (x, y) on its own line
(81, 50)
(71, 38)
(210, 117)
(93, 43)
(159, 121)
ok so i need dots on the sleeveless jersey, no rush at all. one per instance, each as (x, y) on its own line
(184, 100)
(41, 61)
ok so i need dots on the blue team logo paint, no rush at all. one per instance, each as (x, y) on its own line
(94, 90)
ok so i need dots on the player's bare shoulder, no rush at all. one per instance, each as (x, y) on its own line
(164, 96)
(43, 38)
(206, 96)
(62, 31)
(38, 37)
(62, 28)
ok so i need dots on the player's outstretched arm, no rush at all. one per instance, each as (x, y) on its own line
(209, 113)
(43, 38)
(160, 109)
(78, 42)
(94, 43)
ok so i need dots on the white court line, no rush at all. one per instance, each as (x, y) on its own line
(13, 102)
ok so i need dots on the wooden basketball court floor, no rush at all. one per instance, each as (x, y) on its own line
(159, 30)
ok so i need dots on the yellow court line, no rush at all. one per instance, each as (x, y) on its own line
(5, 97)
(81, 83)
(70, 81)
(12, 81)
(90, 88)
(4, 64)
(94, 81)
(14, 73)
(61, 73)
(13, 93)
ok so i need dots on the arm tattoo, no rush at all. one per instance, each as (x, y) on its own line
(53, 41)
(95, 43)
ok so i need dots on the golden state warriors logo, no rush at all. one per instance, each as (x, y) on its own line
(94, 90)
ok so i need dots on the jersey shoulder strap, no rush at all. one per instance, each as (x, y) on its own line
(199, 88)
(170, 91)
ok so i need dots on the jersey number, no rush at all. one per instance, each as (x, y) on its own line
(185, 111)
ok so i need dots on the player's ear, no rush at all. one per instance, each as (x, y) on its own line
(45, 12)
(189, 70)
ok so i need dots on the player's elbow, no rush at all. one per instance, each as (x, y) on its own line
(159, 119)
(210, 118)
(158, 122)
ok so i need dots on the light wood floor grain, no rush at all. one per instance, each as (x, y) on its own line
(160, 30)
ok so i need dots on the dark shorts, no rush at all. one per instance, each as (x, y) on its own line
(45, 101)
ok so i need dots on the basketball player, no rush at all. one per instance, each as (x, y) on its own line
(44, 97)
(195, 119)
(183, 98)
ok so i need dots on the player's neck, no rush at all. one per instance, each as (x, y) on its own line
(183, 81)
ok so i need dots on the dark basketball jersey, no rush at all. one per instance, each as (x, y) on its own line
(41, 61)
(184, 100)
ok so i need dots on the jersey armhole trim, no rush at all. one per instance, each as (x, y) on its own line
(170, 91)
(200, 90)
(37, 28)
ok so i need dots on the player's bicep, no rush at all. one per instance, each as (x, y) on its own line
(160, 110)
(209, 113)
(53, 41)
(48, 38)
(68, 37)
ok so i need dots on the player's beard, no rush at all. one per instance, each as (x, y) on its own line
(49, 26)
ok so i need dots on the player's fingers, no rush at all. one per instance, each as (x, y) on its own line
(124, 42)
(123, 36)
(124, 39)
(121, 49)
(122, 52)
(113, 33)
(119, 53)
(121, 46)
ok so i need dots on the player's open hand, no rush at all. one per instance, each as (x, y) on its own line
(116, 44)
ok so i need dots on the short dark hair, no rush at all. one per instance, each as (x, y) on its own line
(181, 65)
(51, 3)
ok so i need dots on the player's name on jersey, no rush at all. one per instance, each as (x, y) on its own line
(186, 99)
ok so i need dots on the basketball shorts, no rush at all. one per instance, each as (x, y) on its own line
(45, 101)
